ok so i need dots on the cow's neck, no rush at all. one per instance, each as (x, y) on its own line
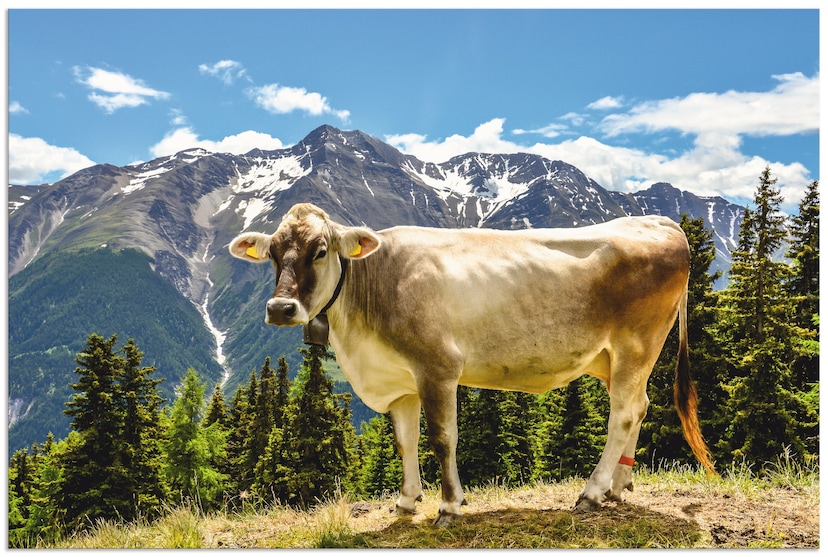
(316, 331)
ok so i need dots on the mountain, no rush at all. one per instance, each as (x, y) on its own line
(141, 250)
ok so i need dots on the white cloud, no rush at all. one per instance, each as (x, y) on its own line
(113, 90)
(185, 138)
(485, 139)
(551, 130)
(279, 99)
(17, 108)
(227, 71)
(606, 103)
(791, 107)
(31, 160)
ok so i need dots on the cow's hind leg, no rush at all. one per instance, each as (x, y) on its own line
(439, 401)
(622, 477)
(628, 406)
(405, 415)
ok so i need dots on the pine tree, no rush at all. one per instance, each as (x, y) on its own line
(803, 286)
(317, 438)
(547, 417)
(21, 476)
(265, 416)
(191, 448)
(45, 521)
(216, 410)
(142, 434)
(283, 386)
(381, 470)
(478, 425)
(94, 477)
(514, 438)
(757, 328)
(271, 464)
(239, 419)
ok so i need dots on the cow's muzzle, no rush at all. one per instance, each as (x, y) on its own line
(285, 312)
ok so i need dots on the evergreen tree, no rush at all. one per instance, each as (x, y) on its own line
(45, 519)
(317, 438)
(191, 448)
(514, 437)
(547, 417)
(142, 434)
(283, 386)
(265, 416)
(21, 477)
(239, 419)
(478, 425)
(803, 286)
(757, 327)
(271, 464)
(216, 410)
(381, 470)
(94, 477)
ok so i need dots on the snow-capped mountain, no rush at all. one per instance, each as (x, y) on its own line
(180, 212)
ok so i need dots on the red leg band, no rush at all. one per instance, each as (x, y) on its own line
(626, 460)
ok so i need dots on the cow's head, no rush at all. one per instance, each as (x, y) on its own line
(307, 251)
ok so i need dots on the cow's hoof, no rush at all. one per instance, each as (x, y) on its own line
(612, 496)
(584, 505)
(402, 511)
(445, 519)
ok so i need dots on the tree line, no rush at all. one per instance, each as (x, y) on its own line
(754, 356)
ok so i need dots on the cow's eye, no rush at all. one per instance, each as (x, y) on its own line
(321, 253)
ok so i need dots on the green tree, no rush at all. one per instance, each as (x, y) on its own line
(757, 327)
(94, 477)
(478, 426)
(514, 437)
(381, 470)
(803, 286)
(216, 410)
(142, 434)
(191, 448)
(318, 437)
(45, 519)
(547, 417)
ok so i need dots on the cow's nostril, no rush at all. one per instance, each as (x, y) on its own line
(290, 310)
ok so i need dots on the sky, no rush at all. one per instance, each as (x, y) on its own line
(701, 98)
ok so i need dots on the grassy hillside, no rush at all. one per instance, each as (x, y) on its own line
(673, 508)
(57, 301)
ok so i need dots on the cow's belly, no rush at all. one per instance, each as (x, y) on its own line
(536, 373)
(378, 375)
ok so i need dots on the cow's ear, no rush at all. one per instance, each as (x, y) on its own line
(356, 243)
(251, 246)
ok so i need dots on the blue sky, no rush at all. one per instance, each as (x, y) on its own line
(703, 99)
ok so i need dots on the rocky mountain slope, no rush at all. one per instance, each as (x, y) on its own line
(180, 212)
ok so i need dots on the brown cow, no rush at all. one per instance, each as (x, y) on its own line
(414, 312)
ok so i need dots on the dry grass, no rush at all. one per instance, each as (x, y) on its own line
(673, 508)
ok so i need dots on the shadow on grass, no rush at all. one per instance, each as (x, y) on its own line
(613, 526)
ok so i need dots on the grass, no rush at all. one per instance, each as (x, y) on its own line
(672, 507)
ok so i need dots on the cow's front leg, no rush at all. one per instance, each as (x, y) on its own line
(440, 404)
(405, 415)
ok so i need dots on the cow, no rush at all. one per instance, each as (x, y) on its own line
(413, 312)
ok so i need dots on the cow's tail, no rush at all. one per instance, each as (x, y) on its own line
(686, 397)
